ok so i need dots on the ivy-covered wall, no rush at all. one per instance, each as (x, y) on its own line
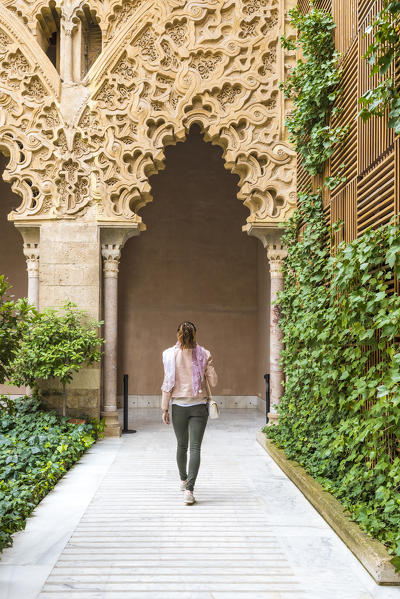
(340, 412)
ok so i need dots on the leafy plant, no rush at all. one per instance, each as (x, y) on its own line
(340, 412)
(14, 317)
(57, 344)
(382, 54)
(36, 449)
(313, 86)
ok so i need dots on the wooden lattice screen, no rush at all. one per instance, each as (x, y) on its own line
(370, 195)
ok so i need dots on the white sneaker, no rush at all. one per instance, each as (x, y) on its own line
(183, 485)
(188, 497)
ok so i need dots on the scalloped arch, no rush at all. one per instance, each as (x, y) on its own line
(165, 65)
(170, 64)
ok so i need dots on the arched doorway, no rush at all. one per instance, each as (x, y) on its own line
(195, 263)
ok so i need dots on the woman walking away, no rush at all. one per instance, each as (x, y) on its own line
(186, 364)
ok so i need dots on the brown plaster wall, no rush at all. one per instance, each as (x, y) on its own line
(12, 260)
(193, 263)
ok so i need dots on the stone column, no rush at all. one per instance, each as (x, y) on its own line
(66, 59)
(31, 236)
(276, 256)
(270, 237)
(31, 253)
(112, 241)
(111, 254)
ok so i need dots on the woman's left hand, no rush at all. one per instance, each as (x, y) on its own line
(165, 417)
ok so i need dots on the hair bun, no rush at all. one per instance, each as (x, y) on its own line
(187, 334)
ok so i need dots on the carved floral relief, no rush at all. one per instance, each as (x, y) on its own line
(165, 65)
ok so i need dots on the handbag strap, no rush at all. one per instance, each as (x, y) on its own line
(208, 388)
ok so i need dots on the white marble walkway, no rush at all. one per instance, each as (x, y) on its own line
(116, 527)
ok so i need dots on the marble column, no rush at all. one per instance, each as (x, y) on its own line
(31, 238)
(270, 237)
(31, 253)
(113, 239)
(31, 249)
(111, 255)
(66, 62)
(276, 256)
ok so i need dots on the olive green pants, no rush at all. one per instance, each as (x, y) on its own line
(189, 424)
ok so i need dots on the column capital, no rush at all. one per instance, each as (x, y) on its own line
(111, 254)
(31, 253)
(30, 234)
(113, 239)
(31, 237)
(270, 237)
(276, 256)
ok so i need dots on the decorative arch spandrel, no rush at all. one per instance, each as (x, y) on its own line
(169, 64)
(165, 65)
(29, 117)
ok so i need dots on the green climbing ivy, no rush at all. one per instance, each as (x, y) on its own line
(313, 87)
(382, 54)
(337, 311)
(340, 412)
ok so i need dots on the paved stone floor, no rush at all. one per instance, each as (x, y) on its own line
(116, 526)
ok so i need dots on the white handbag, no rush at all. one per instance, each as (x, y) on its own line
(213, 409)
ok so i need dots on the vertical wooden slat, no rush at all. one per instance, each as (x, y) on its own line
(374, 136)
(397, 195)
(397, 175)
(344, 14)
(344, 207)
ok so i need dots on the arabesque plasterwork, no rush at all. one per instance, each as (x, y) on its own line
(86, 148)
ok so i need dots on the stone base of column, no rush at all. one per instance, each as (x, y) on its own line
(113, 427)
(273, 418)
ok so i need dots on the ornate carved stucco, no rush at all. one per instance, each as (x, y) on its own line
(86, 149)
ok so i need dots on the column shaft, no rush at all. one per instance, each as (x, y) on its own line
(113, 240)
(67, 59)
(275, 333)
(31, 253)
(111, 255)
(270, 237)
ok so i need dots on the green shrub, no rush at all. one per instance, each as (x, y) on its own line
(57, 344)
(14, 319)
(36, 449)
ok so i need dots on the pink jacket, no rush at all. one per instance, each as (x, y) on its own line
(183, 377)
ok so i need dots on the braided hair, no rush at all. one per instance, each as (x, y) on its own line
(187, 335)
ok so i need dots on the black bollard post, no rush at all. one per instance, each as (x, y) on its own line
(267, 397)
(126, 429)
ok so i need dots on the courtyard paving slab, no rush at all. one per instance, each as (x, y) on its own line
(116, 526)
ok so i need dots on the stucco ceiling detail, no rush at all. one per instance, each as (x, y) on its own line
(165, 65)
